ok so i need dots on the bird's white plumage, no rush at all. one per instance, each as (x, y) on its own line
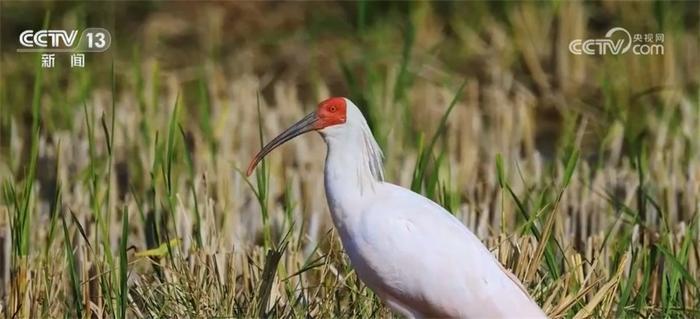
(411, 252)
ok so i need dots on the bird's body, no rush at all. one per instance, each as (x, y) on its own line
(417, 257)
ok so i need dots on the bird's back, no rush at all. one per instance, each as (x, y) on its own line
(424, 261)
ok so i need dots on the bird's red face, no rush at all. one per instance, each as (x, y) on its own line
(330, 112)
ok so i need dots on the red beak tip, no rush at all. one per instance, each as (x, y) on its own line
(249, 171)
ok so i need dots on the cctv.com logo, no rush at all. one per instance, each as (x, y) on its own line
(619, 41)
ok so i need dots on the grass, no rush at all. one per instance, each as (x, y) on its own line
(123, 191)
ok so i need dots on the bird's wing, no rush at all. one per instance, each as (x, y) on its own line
(514, 279)
(422, 255)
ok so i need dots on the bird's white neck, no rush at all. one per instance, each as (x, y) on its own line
(353, 171)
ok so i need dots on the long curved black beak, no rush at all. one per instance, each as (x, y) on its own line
(306, 124)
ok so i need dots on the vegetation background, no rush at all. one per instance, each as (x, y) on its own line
(122, 191)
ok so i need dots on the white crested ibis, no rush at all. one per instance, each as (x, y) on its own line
(418, 258)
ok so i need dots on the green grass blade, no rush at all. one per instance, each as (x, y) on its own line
(123, 265)
(72, 271)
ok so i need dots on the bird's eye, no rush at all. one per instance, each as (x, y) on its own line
(332, 108)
